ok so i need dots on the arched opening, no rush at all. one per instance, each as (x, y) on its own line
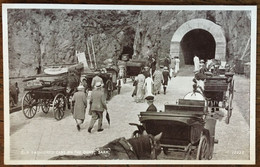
(197, 42)
(206, 30)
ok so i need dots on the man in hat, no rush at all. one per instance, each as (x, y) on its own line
(149, 100)
(166, 77)
(79, 104)
(97, 107)
(96, 79)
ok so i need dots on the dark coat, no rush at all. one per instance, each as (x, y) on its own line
(151, 108)
(80, 105)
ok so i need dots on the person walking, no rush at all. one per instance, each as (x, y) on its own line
(166, 76)
(158, 79)
(96, 79)
(196, 62)
(140, 90)
(79, 104)
(177, 65)
(97, 107)
(148, 86)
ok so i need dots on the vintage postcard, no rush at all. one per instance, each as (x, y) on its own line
(129, 84)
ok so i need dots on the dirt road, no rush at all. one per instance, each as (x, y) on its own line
(42, 137)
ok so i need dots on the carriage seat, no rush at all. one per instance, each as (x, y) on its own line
(187, 107)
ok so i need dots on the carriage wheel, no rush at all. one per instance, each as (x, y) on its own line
(229, 109)
(109, 89)
(29, 105)
(230, 99)
(59, 104)
(45, 105)
(203, 148)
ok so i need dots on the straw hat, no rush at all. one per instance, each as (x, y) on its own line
(98, 84)
(80, 87)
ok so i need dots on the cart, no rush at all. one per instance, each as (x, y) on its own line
(44, 91)
(133, 68)
(219, 92)
(188, 130)
(110, 79)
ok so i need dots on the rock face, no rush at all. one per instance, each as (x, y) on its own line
(53, 36)
(155, 30)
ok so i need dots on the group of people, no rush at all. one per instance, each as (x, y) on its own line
(149, 84)
(97, 103)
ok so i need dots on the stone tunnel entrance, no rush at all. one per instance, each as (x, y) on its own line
(198, 36)
(197, 42)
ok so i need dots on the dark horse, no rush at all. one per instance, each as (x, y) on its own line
(143, 147)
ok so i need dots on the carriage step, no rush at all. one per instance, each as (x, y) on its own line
(216, 141)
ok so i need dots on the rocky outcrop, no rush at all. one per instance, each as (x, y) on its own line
(155, 30)
(53, 36)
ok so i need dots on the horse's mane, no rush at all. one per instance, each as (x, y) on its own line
(135, 148)
(141, 146)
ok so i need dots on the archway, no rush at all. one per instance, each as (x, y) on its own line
(203, 26)
(197, 42)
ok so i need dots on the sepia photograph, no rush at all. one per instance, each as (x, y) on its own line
(129, 84)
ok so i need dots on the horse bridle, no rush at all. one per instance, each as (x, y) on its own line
(154, 149)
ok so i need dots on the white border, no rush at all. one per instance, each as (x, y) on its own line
(253, 10)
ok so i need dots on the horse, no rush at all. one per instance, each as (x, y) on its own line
(138, 148)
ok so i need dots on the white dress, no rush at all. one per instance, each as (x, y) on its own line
(177, 66)
(196, 63)
(148, 84)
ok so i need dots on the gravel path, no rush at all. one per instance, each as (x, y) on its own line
(42, 137)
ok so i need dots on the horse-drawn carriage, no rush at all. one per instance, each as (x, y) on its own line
(109, 77)
(51, 89)
(219, 91)
(131, 68)
(188, 128)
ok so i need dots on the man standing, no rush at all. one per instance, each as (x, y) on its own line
(97, 107)
(79, 104)
(196, 62)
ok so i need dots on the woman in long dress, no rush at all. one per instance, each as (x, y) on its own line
(140, 90)
(148, 86)
(158, 78)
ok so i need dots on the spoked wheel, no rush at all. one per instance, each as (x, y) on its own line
(59, 105)
(229, 108)
(109, 87)
(29, 105)
(203, 148)
(46, 105)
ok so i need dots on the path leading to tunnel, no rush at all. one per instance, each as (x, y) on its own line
(42, 137)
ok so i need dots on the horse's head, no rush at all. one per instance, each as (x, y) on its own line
(155, 145)
(146, 146)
